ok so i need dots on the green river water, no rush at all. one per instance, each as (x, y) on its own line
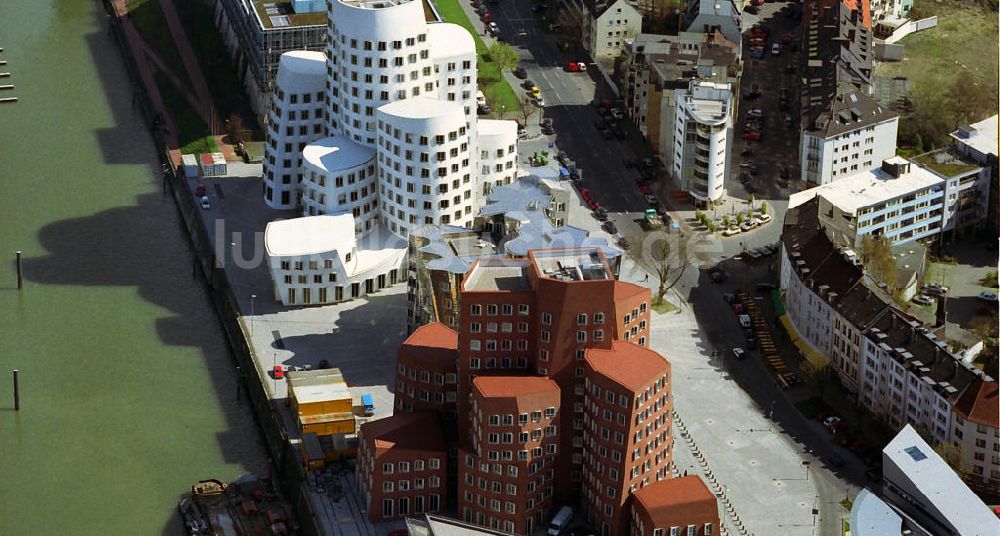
(127, 390)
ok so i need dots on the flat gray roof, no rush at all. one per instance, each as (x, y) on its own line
(498, 274)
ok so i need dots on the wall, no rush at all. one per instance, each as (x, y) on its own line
(910, 27)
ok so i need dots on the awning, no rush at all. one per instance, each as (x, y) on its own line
(814, 358)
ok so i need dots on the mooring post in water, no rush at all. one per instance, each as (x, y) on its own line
(17, 393)
(20, 273)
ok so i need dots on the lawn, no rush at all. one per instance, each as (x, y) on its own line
(147, 17)
(947, 169)
(491, 82)
(963, 44)
(193, 135)
(664, 307)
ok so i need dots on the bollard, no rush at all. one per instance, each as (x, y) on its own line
(20, 273)
(17, 393)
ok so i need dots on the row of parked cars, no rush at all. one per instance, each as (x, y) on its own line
(747, 225)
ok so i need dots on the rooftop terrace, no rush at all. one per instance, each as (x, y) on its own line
(578, 264)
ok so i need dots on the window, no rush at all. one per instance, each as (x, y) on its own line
(434, 463)
(523, 309)
(598, 318)
(476, 309)
(581, 319)
(387, 508)
(387, 468)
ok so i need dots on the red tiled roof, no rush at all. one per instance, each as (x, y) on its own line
(510, 386)
(627, 363)
(979, 403)
(687, 492)
(434, 342)
(419, 431)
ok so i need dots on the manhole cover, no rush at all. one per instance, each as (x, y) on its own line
(710, 421)
(754, 462)
(778, 483)
(803, 504)
(731, 443)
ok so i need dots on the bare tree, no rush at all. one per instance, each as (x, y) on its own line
(876, 254)
(664, 255)
(528, 109)
(952, 455)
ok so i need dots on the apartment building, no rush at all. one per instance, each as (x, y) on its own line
(850, 134)
(902, 201)
(607, 27)
(977, 143)
(426, 378)
(709, 16)
(541, 314)
(703, 140)
(976, 432)
(838, 58)
(656, 66)
(676, 507)
(893, 366)
(401, 469)
(258, 32)
(506, 473)
(627, 441)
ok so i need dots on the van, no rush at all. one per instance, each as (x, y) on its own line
(560, 521)
(368, 405)
(745, 321)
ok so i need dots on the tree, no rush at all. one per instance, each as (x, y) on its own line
(528, 109)
(504, 56)
(876, 255)
(763, 207)
(234, 128)
(725, 222)
(740, 217)
(663, 254)
(952, 455)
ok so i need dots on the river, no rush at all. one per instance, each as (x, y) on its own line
(128, 394)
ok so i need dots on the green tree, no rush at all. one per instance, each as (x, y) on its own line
(763, 207)
(876, 254)
(504, 56)
(726, 222)
(664, 255)
(740, 217)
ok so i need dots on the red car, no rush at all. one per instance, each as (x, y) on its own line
(593, 205)
(645, 189)
(279, 372)
(750, 135)
(786, 39)
(572, 67)
(487, 18)
(586, 195)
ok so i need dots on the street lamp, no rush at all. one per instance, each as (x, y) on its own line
(252, 298)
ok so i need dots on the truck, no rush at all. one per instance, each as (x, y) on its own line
(652, 219)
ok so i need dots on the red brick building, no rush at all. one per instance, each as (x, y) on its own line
(401, 466)
(539, 315)
(541, 341)
(506, 474)
(674, 507)
(627, 440)
(426, 378)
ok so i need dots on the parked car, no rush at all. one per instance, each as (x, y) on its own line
(528, 84)
(486, 17)
(750, 135)
(755, 113)
(623, 242)
(323, 364)
(610, 227)
(764, 218)
(739, 353)
(534, 91)
(935, 289)
(601, 214)
(204, 202)
(922, 299)
(652, 200)
(586, 195)
(521, 72)
(775, 49)
(539, 101)
(483, 109)
(732, 231)
(987, 296)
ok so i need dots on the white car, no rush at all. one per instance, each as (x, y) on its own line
(776, 49)
(756, 113)
(923, 299)
(988, 296)
(764, 218)
(539, 101)
(204, 202)
(739, 353)
(480, 98)
(732, 231)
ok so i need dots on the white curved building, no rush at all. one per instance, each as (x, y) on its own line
(296, 119)
(382, 128)
(497, 153)
(454, 53)
(378, 52)
(703, 125)
(316, 260)
(425, 173)
(338, 175)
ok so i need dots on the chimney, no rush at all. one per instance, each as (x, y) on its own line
(941, 313)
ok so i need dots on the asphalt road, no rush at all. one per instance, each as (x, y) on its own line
(567, 102)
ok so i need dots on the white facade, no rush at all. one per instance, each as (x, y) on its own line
(607, 30)
(338, 175)
(425, 172)
(377, 52)
(811, 315)
(709, 15)
(383, 128)
(296, 119)
(316, 260)
(703, 138)
(901, 201)
(851, 150)
(497, 153)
